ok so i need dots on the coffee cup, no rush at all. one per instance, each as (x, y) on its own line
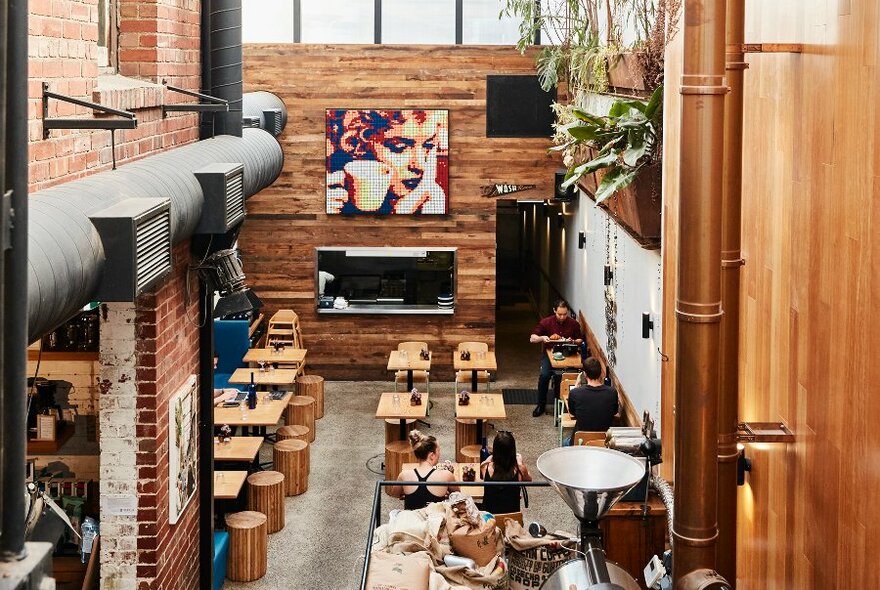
(367, 182)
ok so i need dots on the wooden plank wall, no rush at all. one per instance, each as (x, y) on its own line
(809, 515)
(286, 222)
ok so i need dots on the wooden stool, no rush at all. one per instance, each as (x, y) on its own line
(313, 386)
(468, 454)
(301, 410)
(291, 457)
(295, 432)
(392, 429)
(248, 546)
(397, 453)
(465, 434)
(266, 495)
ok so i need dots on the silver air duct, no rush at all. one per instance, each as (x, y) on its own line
(266, 107)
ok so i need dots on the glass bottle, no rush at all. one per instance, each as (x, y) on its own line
(252, 393)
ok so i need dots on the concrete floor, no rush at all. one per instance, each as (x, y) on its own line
(323, 543)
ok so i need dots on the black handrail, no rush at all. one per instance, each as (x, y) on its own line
(376, 516)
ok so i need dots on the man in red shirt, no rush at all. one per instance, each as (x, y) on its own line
(554, 328)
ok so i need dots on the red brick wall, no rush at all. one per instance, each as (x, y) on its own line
(158, 40)
(167, 354)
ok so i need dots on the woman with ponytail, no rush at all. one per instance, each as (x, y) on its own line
(427, 452)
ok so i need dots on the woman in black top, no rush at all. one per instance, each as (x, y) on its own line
(427, 451)
(504, 464)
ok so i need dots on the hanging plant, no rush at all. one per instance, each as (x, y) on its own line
(624, 141)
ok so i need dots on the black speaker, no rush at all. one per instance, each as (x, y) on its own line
(565, 195)
(516, 106)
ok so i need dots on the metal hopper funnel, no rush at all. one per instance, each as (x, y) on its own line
(590, 479)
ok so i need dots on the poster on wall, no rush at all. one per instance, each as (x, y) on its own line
(182, 455)
(387, 162)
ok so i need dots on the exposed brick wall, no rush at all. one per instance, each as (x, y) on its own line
(157, 40)
(167, 354)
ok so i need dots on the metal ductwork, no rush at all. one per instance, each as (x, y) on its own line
(223, 187)
(225, 62)
(66, 256)
(266, 107)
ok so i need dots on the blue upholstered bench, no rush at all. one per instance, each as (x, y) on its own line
(221, 553)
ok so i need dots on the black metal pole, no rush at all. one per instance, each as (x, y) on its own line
(206, 439)
(15, 289)
(206, 120)
(3, 86)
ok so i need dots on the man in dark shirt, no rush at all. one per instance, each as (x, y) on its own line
(595, 404)
(554, 328)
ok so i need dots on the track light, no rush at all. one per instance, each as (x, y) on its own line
(742, 465)
(222, 273)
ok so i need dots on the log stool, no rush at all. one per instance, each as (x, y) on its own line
(297, 432)
(301, 411)
(397, 453)
(313, 386)
(392, 429)
(465, 434)
(248, 546)
(266, 495)
(291, 457)
(468, 454)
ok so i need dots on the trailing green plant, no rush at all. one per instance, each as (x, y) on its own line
(624, 141)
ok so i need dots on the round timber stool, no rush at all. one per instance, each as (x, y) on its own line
(297, 432)
(248, 546)
(397, 453)
(266, 495)
(313, 386)
(392, 429)
(468, 454)
(291, 457)
(465, 434)
(301, 411)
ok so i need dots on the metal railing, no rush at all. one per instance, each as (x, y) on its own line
(376, 514)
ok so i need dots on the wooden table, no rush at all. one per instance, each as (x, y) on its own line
(238, 449)
(475, 491)
(475, 365)
(228, 484)
(267, 413)
(480, 410)
(286, 356)
(404, 412)
(412, 362)
(569, 363)
(275, 377)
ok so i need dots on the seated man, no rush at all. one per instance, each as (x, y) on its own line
(554, 328)
(595, 404)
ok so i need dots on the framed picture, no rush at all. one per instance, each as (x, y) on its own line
(182, 457)
(387, 162)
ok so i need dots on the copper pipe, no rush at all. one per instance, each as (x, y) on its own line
(698, 298)
(731, 263)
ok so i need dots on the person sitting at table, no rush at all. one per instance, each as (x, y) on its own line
(595, 404)
(504, 464)
(427, 451)
(554, 328)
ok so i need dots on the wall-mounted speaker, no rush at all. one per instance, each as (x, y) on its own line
(563, 194)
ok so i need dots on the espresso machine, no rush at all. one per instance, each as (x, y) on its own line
(591, 480)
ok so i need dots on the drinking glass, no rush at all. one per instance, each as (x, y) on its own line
(262, 365)
(244, 409)
(404, 356)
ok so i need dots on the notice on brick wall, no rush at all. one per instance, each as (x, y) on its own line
(119, 504)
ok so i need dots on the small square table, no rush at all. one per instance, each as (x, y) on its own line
(285, 356)
(239, 449)
(405, 411)
(490, 409)
(569, 363)
(228, 484)
(475, 364)
(274, 378)
(412, 362)
(267, 413)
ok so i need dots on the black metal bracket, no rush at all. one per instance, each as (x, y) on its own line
(6, 221)
(213, 104)
(128, 120)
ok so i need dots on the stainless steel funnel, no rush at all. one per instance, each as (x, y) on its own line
(590, 479)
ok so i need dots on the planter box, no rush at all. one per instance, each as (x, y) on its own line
(638, 207)
(625, 70)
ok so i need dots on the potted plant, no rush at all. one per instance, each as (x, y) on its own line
(622, 154)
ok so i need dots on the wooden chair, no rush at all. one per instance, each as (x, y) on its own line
(501, 520)
(413, 348)
(465, 376)
(563, 418)
(585, 437)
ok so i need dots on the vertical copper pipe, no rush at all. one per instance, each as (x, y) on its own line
(731, 262)
(698, 298)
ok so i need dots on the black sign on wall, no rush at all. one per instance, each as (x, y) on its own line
(516, 106)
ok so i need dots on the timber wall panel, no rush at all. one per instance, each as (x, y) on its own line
(286, 221)
(810, 287)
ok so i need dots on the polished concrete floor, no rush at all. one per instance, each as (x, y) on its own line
(323, 543)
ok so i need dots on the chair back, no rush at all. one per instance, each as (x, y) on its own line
(599, 442)
(565, 388)
(473, 346)
(583, 437)
(501, 520)
(412, 346)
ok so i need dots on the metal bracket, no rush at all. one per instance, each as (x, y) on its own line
(213, 104)
(6, 221)
(767, 432)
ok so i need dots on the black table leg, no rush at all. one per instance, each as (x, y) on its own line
(409, 380)
(479, 431)
(403, 429)
(474, 380)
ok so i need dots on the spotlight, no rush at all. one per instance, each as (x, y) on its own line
(222, 273)
(582, 240)
(609, 274)
(647, 325)
(742, 465)
(560, 220)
